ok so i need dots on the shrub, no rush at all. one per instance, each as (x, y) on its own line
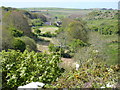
(37, 22)
(75, 44)
(16, 33)
(30, 43)
(22, 68)
(53, 48)
(94, 75)
(18, 45)
(47, 34)
(37, 31)
(56, 49)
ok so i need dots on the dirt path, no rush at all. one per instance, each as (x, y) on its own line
(68, 63)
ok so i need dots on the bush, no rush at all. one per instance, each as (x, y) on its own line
(22, 68)
(18, 45)
(54, 49)
(75, 44)
(37, 22)
(94, 75)
(37, 31)
(48, 34)
(30, 43)
(16, 33)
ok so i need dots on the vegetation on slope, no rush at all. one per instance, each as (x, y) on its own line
(92, 43)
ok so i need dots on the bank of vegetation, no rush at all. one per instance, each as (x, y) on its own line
(90, 41)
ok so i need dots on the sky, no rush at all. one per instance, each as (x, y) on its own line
(80, 4)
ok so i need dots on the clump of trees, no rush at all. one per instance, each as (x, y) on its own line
(73, 34)
(39, 16)
(105, 29)
(37, 22)
(15, 25)
(30, 43)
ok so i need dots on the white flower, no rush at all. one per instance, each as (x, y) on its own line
(95, 51)
(77, 66)
(102, 87)
(108, 85)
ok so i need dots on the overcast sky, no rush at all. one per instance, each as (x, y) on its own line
(81, 4)
(59, 0)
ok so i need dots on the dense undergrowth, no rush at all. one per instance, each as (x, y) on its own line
(22, 68)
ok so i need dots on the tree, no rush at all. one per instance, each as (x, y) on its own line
(77, 30)
(17, 20)
(37, 22)
(39, 16)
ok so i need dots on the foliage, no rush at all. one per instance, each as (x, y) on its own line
(17, 20)
(53, 48)
(91, 74)
(18, 44)
(72, 29)
(102, 14)
(58, 49)
(106, 23)
(75, 44)
(30, 43)
(7, 38)
(77, 30)
(37, 22)
(8, 8)
(37, 31)
(39, 16)
(22, 68)
(16, 33)
(48, 34)
(14, 24)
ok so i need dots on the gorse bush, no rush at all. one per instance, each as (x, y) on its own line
(22, 68)
(91, 74)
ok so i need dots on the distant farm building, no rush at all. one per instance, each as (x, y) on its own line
(48, 23)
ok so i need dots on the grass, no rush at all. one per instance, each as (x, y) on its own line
(48, 29)
(111, 49)
(43, 45)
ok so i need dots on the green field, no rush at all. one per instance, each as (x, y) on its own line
(48, 29)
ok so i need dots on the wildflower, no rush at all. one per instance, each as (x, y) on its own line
(95, 51)
(77, 66)
(102, 87)
(109, 86)
(76, 76)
